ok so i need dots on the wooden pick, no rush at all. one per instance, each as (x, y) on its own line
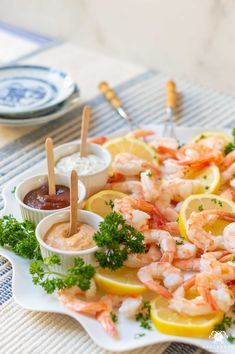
(84, 130)
(50, 166)
(73, 203)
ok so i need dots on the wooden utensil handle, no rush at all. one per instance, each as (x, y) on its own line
(50, 166)
(110, 94)
(84, 130)
(171, 94)
(73, 203)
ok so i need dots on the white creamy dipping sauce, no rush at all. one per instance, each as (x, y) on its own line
(82, 165)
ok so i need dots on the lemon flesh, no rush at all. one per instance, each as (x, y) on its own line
(199, 202)
(170, 322)
(220, 135)
(209, 177)
(123, 281)
(99, 202)
(133, 146)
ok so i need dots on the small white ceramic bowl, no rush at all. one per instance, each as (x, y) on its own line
(35, 182)
(67, 257)
(93, 182)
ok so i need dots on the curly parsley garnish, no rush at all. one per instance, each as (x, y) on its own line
(180, 241)
(114, 317)
(200, 207)
(80, 274)
(230, 146)
(144, 316)
(117, 240)
(110, 203)
(20, 237)
(13, 190)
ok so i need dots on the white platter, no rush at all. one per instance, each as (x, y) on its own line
(33, 298)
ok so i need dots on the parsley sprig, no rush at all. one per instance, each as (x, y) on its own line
(20, 237)
(117, 239)
(230, 146)
(144, 316)
(80, 274)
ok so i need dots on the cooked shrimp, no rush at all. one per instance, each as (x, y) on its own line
(165, 147)
(104, 316)
(184, 249)
(76, 291)
(73, 303)
(140, 133)
(136, 212)
(228, 159)
(214, 291)
(98, 140)
(170, 143)
(131, 165)
(199, 236)
(150, 186)
(175, 190)
(131, 306)
(166, 243)
(192, 307)
(213, 142)
(138, 260)
(134, 188)
(188, 265)
(172, 227)
(211, 263)
(198, 155)
(228, 173)
(229, 237)
(228, 193)
(132, 211)
(170, 276)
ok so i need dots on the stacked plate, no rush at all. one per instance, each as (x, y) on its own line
(32, 95)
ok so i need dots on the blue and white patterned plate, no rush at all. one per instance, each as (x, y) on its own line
(29, 89)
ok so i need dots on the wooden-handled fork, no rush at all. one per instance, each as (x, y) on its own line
(116, 103)
(171, 102)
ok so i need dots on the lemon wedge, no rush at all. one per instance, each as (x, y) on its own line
(209, 177)
(220, 135)
(123, 281)
(170, 322)
(199, 202)
(99, 203)
(133, 146)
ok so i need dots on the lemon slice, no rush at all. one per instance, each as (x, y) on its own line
(123, 281)
(99, 202)
(209, 177)
(221, 135)
(133, 146)
(199, 202)
(170, 322)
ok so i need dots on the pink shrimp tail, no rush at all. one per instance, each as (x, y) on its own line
(107, 323)
(205, 293)
(159, 289)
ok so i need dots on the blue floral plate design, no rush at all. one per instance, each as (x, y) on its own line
(26, 90)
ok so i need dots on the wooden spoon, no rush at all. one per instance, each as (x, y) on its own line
(84, 130)
(73, 203)
(50, 166)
